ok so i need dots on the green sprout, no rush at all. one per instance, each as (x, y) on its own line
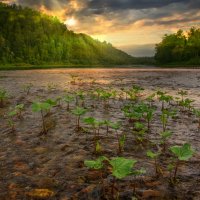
(98, 148)
(150, 99)
(119, 168)
(197, 114)
(17, 111)
(105, 96)
(183, 93)
(182, 153)
(149, 117)
(68, 99)
(120, 139)
(27, 88)
(154, 156)
(164, 136)
(3, 97)
(80, 96)
(78, 111)
(107, 123)
(42, 108)
(165, 98)
(186, 103)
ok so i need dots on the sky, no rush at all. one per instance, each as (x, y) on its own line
(134, 26)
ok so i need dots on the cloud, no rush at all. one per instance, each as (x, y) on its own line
(118, 13)
(132, 4)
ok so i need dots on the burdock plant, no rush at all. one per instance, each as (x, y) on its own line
(165, 98)
(154, 156)
(119, 168)
(197, 114)
(182, 153)
(78, 111)
(164, 136)
(182, 93)
(120, 139)
(68, 99)
(149, 117)
(3, 97)
(27, 88)
(42, 108)
(91, 121)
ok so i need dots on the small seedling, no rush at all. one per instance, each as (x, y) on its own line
(27, 88)
(182, 153)
(107, 123)
(11, 122)
(164, 136)
(42, 107)
(122, 141)
(16, 112)
(119, 167)
(116, 127)
(183, 93)
(68, 99)
(78, 111)
(149, 117)
(197, 114)
(98, 148)
(105, 96)
(165, 98)
(3, 97)
(154, 156)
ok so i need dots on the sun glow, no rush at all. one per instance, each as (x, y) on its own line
(71, 22)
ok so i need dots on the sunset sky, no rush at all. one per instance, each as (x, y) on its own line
(131, 25)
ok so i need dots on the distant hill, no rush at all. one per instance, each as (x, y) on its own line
(141, 50)
(30, 37)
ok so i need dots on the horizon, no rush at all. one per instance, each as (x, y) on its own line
(134, 27)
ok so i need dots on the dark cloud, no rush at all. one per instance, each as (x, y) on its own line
(49, 4)
(132, 4)
(123, 13)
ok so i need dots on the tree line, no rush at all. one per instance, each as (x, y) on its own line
(28, 36)
(180, 47)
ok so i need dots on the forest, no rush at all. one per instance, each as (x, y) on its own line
(30, 37)
(180, 47)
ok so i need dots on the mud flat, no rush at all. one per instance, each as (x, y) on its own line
(51, 166)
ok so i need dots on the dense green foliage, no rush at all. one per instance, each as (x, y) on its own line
(28, 36)
(180, 47)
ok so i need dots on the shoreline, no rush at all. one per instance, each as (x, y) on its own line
(45, 67)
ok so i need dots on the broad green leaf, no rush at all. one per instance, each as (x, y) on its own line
(122, 167)
(184, 152)
(152, 155)
(79, 111)
(90, 120)
(95, 164)
(12, 113)
(166, 134)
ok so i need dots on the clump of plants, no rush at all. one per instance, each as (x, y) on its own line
(181, 153)
(118, 167)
